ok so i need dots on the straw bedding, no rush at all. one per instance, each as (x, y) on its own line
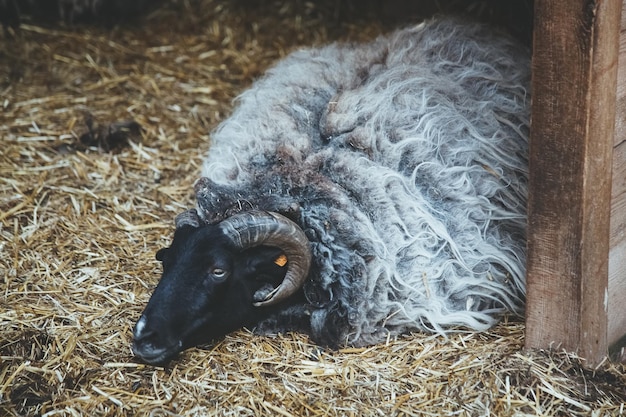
(86, 199)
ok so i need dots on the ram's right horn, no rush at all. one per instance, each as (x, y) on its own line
(256, 228)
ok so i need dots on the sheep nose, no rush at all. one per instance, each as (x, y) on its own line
(141, 332)
(144, 339)
(152, 345)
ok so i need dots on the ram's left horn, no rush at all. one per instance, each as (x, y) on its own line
(188, 218)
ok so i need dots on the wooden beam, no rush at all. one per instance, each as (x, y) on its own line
(575, 50)
(617, 254)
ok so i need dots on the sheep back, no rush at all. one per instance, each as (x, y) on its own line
(405, 162)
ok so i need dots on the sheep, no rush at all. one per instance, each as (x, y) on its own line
(404, 163)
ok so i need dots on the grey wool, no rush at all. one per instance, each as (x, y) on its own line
(404, 160)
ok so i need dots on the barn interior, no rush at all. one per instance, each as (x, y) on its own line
(104, 122)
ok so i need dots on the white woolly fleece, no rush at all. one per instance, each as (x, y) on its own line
(405, 162)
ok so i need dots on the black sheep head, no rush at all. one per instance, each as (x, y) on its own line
(218, 278)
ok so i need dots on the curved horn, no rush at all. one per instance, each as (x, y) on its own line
(255, 228)
(188, 218)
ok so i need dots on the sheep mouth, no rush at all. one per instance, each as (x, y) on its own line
(156, 356)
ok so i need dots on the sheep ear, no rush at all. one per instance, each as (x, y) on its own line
(265, 266)
(160, 255)
(266, 263)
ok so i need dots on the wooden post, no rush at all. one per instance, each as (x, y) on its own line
(575, 50)
(617, 254)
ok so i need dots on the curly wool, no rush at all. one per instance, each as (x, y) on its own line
(405, 162)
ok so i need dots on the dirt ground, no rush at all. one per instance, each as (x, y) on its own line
(102, 133)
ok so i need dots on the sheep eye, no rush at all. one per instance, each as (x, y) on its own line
(218, 273)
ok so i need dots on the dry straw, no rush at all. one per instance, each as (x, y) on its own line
(81, 216)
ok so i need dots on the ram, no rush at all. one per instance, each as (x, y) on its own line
(391, 177)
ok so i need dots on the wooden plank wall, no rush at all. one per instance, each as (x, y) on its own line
(575, 51)
(617, 255)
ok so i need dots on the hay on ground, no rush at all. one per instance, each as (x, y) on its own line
(86, 199)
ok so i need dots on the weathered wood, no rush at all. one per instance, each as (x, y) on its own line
(620, 113)
(617, 255)
(575, 49)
